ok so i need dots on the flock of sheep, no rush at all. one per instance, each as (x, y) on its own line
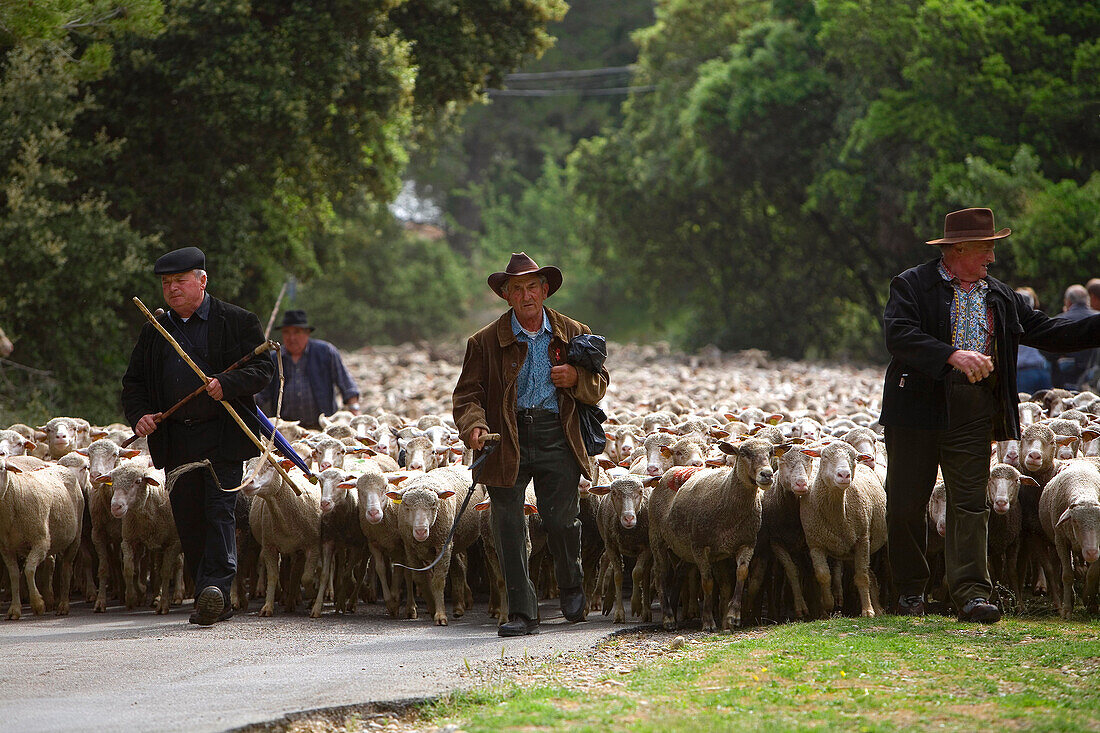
(735, 489)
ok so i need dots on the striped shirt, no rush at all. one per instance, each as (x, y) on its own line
(534, 388)
(971, 316)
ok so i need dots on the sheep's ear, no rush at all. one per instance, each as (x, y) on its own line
(719, 433)
(150, 481)
(715, 462)
(1067, 516)
(605, 462)
(625, 463)
(30, 445)
(780, 450)
(774, 419)
(128, 453)
(530, 509)
(666, 452)
(866, 459)
(482, 505)
(728, 448)
(650, 480)
(445, 494)
(347, 483)
(1090, 434)
(1028, 481)
(457, 450)
(666, 429)
(12, 468)
(367, 440)
(812, 452)
(356, 451)
(287, 464)
(395, 496)
(599, 490)
(1064, 439)
(609, 436)
(396, 477)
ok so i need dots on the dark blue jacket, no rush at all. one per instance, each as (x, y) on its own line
(917, 327)
(1070, 368)
(325, 369)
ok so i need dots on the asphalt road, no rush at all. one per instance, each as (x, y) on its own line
(130, 671)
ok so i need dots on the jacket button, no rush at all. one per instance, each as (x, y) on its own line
(513, 363)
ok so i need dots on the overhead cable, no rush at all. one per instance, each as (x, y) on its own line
(580, 73)
(608, 91)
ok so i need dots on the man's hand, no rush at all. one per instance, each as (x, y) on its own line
(147, 424)
(974, 365)
(352, 407)
(477, 438)
(214, 389)
(564, 376)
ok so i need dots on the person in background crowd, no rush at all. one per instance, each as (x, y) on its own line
(1069, 369)
(950, 390)
(313, 371)
(1093, 286)
(1032, 368)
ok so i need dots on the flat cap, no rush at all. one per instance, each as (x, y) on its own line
(180, 260)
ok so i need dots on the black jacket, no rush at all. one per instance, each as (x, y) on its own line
(917, 326)
(233, 333)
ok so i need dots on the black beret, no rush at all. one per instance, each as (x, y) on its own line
(180, 260)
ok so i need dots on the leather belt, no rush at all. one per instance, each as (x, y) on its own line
(533, 414)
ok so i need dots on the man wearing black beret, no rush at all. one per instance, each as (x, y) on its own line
(215, 334)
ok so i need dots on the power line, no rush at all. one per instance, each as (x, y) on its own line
(580, 73)
(607, 91)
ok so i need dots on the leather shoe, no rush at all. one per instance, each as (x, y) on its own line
(981, 611)
(518, 625)
(572, 604)
(209, 607)
(911, 606)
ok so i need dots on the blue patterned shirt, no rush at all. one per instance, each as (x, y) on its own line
(534, 388)
(971, 316)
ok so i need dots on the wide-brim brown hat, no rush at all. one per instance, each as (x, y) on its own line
(969, 225)
(521, 264)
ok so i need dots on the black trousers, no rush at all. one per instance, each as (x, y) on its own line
(546, 458)
(204, 514)
(962, 453)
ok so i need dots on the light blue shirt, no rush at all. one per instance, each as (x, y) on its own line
(534, 388)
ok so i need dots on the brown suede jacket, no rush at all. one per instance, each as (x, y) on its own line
(485, 396)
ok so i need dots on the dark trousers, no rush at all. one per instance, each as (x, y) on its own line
(204, 514)
(962, 452)
(545, 456)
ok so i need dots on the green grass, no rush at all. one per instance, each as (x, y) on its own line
(880, 674)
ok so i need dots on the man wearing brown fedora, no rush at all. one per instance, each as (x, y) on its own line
(950, 390)
(515, 382)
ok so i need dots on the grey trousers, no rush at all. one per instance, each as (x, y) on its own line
(545, 456)
(962, 452)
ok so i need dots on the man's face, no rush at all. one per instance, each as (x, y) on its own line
(968, 260)
(295, 339)
(183, 291)
(525, 294)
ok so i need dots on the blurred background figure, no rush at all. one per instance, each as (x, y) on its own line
(1032, 368)
(1069, 369)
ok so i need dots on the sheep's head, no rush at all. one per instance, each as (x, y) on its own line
(628, 496)
(129, 488)
(754, 460)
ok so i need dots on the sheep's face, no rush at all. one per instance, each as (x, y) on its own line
(328, 453)
(417, 511)
(129, 488)
(14, 444)
(266, 480)
(657, 462)
(1084, 524)
(1003, 487)
(1037, 447)
(334, 488)
(795, 469)
(937, 509)
(61, 435)
(420, 455)
(373, 501)
(839, 462)
(1008, 452)
(754, 461)
(684, 452)
(864, 441)
(628, 495)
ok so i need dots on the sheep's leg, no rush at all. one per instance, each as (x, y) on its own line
(270, 556)
(458, 583)
(86, 562)
(733, 611)
(706, 581)
(595, 599)
(861, 577)
(167, 572)
(643, 566)
(438, 583)
(99, 539)
(327, 551)
(380, 565)
(1065, 555)
(1012, 575)
(129, 572)
(1092, 584)
(801, 610)
(44, 580)
(662, 569)
(824, 579)
(177, 594)
(616, 563)
(66, 565)
(15, 610)
(311, 568)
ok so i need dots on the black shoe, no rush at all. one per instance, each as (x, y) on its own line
(209, 605)
(572, 604)
(518, 625)
(981, 611)
(227, 613)
(911, 606)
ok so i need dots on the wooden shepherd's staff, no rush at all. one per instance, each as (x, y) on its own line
(206, 380)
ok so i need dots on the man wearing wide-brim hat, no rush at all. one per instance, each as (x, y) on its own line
(215, 334)
(950, 390)
(515, 382)
(312, 371)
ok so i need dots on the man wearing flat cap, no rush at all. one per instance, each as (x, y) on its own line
(515, 382)
(215, 334)
(950, 389)
(312, 368)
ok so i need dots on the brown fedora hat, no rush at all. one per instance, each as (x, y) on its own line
(521, 264)
(969, 225)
